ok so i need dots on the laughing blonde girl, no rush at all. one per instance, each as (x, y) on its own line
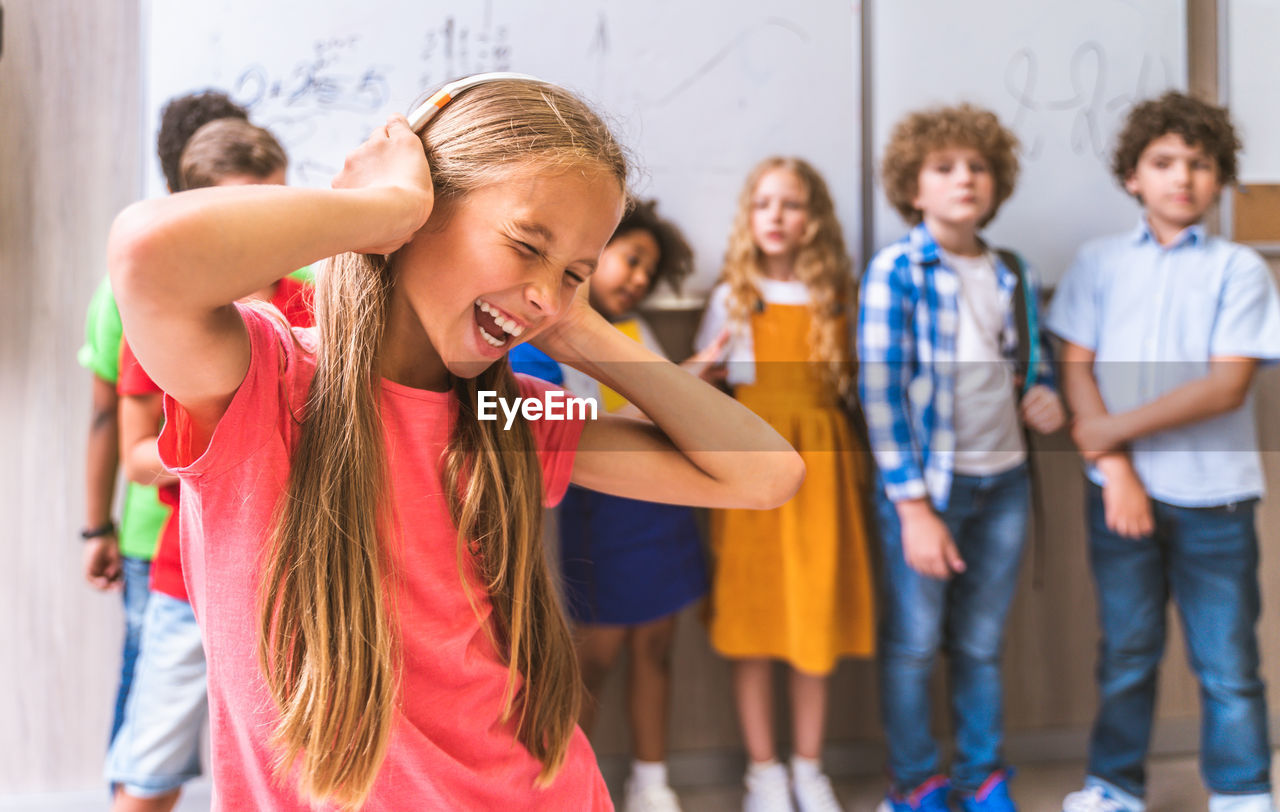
(364, 555)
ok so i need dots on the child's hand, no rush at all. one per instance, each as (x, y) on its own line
(1126, 504)
(927, 545)
(567, 337)
(392, 157)
(102, 568)
(1095, 436)
(1042, 409)
(707, 363)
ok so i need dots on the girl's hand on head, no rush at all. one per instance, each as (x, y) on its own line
(392, 158)
(1042, 410)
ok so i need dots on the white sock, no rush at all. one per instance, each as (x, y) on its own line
(804, 769)
(755, 768)
(648, 774)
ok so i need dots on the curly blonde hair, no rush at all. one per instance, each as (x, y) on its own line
(822, 264)
(925, 131)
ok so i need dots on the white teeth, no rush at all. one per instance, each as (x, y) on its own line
(508, 326)
(492, 341)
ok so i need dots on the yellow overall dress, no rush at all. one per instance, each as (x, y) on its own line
(795, 583)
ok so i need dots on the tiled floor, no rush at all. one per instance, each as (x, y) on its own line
(1175, 787)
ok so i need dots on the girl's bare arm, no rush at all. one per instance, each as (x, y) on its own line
(179, 263)
(703, 447)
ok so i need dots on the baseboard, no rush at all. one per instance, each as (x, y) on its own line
(720, 767)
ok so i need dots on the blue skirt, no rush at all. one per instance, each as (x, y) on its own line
(625, 562)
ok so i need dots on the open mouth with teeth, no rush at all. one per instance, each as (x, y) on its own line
(496, 329)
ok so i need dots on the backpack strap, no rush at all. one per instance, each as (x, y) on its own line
(1025, 318)
(1027, 372)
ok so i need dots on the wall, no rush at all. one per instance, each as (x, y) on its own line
(68, 163)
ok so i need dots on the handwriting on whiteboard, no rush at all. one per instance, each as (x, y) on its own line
(322, 82)
(1098, 97)
(337, 95)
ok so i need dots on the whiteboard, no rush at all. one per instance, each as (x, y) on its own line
(1062, 75)
(698, 92)
(1252, 63)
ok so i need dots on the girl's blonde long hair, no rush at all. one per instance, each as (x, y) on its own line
(327, 644)
(822, 264)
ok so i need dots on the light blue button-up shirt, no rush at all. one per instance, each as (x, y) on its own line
(1154, 316)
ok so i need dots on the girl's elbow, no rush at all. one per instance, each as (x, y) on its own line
(130, 247)
(783, 479)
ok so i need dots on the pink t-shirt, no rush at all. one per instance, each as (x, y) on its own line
(448, 748)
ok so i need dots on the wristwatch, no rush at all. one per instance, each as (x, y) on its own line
(108, 528)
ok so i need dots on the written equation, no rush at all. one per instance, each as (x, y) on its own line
(322, 105)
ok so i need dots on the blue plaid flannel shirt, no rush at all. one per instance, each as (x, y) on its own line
(907, 324)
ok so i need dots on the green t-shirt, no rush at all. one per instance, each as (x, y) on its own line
(143, 515)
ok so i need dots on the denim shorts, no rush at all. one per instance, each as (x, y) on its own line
(158, 746)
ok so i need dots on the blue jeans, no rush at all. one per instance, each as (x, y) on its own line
(987, 517)
(137, 588)
(1207, 558)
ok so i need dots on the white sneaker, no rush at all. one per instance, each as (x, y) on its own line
(768, 790)
(1257, 802)
(1092, 799)
(816, 795)
(658, 798)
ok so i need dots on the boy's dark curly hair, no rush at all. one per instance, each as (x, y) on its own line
(181, 117)
(675, 257)
(1199, 123)
(924, 131)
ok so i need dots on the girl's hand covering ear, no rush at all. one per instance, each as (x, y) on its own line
(392, 158)
(566, 337)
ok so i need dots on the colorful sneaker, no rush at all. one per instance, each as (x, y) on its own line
(931, 796)
(1094, 798)
(768, 790)
(992, 796)
(815, 795)
(659, 798)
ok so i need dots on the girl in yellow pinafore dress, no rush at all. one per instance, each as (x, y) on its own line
(795, 583)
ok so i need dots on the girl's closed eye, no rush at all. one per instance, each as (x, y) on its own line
(527, 249)
(573, 278)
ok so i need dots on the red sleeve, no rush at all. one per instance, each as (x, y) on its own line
(133, 380)
(556, 440)
(261, 411)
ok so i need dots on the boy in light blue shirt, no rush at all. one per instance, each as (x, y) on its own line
(1164, 328)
